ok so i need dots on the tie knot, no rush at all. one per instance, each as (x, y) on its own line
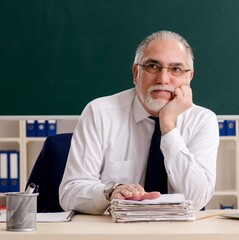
(156, 119)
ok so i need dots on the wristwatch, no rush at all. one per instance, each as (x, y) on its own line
(109, 189)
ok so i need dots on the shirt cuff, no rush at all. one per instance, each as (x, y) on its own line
(101, 204)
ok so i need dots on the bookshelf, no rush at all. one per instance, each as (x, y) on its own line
(226, 194)
(13, 137)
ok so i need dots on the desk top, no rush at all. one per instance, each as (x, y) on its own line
(89, 227)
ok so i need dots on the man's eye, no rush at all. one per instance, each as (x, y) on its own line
(176, 69)
(152, 66)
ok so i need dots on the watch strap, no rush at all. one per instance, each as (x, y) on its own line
(109, 192)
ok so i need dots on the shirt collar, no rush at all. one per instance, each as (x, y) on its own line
(139, 112)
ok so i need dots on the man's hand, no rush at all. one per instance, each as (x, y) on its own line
(181, 101)
(133, 192)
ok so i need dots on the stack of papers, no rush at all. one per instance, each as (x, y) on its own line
(168, 207)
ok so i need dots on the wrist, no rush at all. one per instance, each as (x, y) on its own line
(109, 189)
(167, 127)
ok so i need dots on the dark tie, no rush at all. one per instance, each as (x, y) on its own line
(156, 176)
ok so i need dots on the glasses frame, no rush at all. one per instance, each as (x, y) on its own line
(160, 68)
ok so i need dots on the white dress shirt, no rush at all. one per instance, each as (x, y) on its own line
(111, 143)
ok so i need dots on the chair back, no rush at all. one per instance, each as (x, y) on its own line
(48, 170)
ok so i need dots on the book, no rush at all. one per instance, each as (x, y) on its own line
(222, 127)
(51, 127)
(4, 176)
(30, 128)
(230, 126)
(14, 171)
(41, 128)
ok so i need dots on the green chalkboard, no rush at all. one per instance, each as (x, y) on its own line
(56, 56)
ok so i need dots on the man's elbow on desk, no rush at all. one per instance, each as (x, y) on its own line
(80, 201)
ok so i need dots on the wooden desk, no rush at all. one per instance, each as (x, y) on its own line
(87, 227)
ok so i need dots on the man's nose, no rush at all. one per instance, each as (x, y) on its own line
(163, 76)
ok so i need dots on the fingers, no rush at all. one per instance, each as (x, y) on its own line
(133, 192)
(146, 195)
(128, 191)
(183, 91)
(181, 101)
(150, 195)
(186, 90)
(183, 97)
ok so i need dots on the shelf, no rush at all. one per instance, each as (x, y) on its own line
(10, 139)
(228, 138)
(226, 193)
(34, 139)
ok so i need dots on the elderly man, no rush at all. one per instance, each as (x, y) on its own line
(110, 155)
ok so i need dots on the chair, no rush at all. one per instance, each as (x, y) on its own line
(48, 171)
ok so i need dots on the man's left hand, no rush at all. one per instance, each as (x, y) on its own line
(133, 192)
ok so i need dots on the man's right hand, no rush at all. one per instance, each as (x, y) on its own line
(181, 102)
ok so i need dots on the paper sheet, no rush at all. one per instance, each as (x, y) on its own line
(55, 217)
(47, 217)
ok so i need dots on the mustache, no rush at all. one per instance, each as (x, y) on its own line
(160, 87)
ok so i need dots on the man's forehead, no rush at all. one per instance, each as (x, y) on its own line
(170, 52)
(166, 45)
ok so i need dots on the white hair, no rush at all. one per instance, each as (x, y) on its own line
(162, 35)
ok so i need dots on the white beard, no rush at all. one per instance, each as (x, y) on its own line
(154, 105)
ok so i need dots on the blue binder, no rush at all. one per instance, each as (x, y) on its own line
(226, 206)
(222, 127)
(14, 171)
(41, 128)
(230, 127)
(51, 127)
(4, 180)
(31, 128)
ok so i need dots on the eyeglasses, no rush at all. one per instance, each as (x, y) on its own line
(154, 68)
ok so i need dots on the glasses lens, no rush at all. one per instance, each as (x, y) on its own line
(176, 71)
(152, 68)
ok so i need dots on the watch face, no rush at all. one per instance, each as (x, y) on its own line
(109, 186)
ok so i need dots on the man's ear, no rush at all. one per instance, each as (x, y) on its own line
(190, 76)
(135, 73)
